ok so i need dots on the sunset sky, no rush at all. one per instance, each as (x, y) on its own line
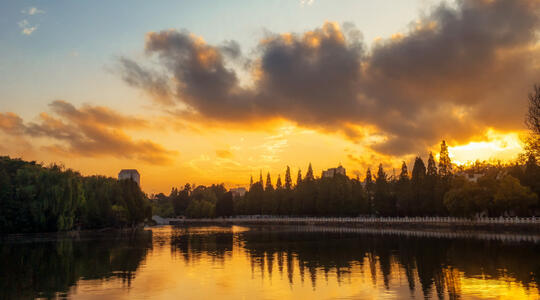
(213, 92)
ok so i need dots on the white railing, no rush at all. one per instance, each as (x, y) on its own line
(366, 220)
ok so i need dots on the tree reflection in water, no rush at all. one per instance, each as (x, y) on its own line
(32, 268)
(436, 264)
(311, 263)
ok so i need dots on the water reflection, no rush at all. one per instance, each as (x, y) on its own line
(270, 263)
(434, 266)
(37, 268)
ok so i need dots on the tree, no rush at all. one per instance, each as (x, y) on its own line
(532, 121)
(459, 200)
(224, 205)
(299, 177)
(253, 199)
(309, 173)
(512, 196)
(531, 176)
(268, 186)
(403, 191)
(430, 203)
(383, 202)
(278, 183)
(288, 180)
(432, 168)
(417, 186)
(445, 165)
(369, 189)
(404, 174)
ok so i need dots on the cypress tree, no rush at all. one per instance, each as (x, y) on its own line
(431, 168)
(404, 175)
(268, 186)
(278, 183)
(309, 174)
(445, 176)
(369, 189)
(430, 203)
(288, 180)
(382, 200)
(260, 178)
(299, 178)
(445, 165)
(417, 185)
(403, 188)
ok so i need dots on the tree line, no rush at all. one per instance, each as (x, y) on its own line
(482, 189)
(37, 198)
(432, 189)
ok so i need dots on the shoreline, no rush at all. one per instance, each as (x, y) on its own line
(71, 234)
(498, 225)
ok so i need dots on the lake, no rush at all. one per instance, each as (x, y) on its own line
(270, 263)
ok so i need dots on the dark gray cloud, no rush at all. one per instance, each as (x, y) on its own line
(457, 71)
(88, 131)
(157, 85)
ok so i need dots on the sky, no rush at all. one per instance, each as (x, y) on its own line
(215, 92)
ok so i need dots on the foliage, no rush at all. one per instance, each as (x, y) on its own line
(34, 198)
(532, 120)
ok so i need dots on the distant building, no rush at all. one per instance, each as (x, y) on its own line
(470, 175)
(132, 174)
(333, 171)
(238, 192)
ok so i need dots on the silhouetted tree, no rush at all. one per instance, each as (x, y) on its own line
(533, 123)
(383, 200)
(288, 180)
(268, 186)
(309, 174)
(430, 203)
(418, 185)
(403, 191)
(224, 205)
(369, 190)
(445, 164)
(278, 183)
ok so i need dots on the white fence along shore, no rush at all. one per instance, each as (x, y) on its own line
(534, 221)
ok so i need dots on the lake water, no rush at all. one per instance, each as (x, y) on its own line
(268, 263)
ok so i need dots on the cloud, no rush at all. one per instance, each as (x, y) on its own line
(224, 153)
(27, 28)
(11, 123)
(306, 2)
(32, 11)
(88, 131)
(457, 71)
(154, 83)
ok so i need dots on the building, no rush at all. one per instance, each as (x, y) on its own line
(131, 174)
(238, 192)
(471, 176)
(333, 171)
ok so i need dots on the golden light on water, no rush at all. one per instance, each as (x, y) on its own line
(242, 272)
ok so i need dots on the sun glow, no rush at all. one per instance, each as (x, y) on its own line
(494, 146)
